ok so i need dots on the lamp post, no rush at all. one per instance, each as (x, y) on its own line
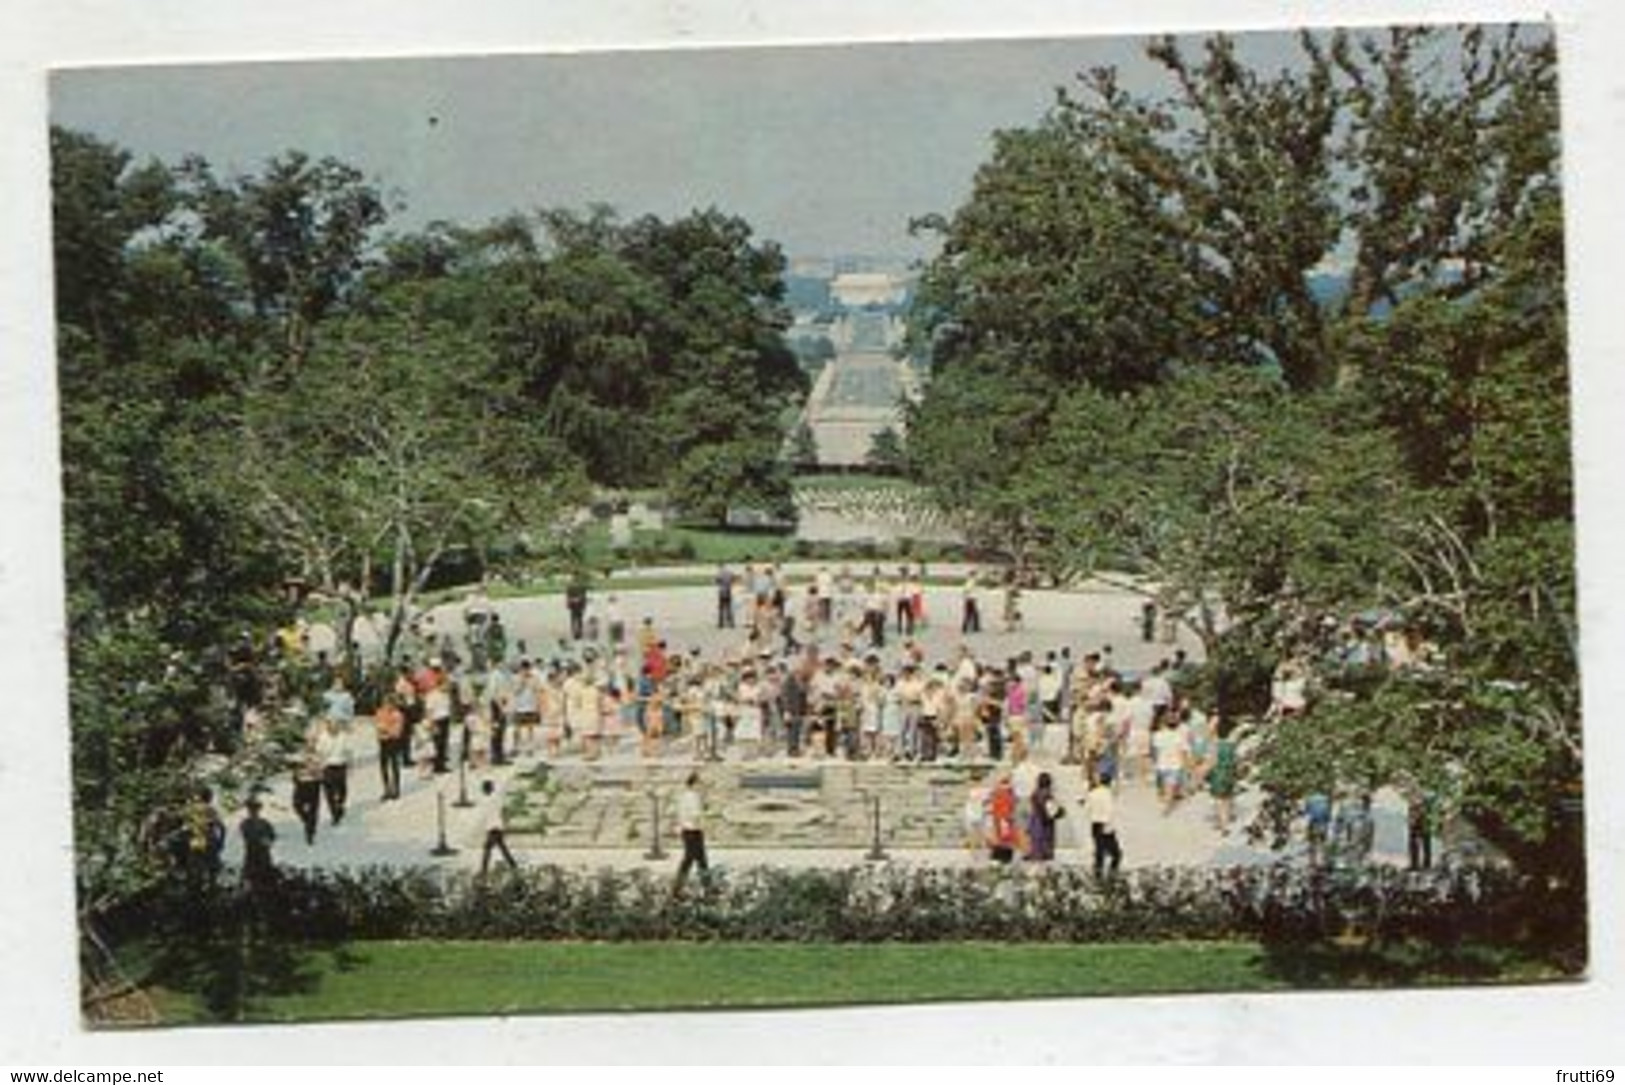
(655, 852)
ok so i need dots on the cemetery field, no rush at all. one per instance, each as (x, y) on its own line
(855, 481)
(403, 979)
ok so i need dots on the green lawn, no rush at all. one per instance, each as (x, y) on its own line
(397, 979)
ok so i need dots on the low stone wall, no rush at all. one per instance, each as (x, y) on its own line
(768, 803)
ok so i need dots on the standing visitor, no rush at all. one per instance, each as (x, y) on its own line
(609, 707)
(1001, 812)
(748, 715)
(1170, 756)
(846, 586)
(990, 712)
(1222, 776)
(1289, 691)
(437, 708)
(970, 620)
(333, 747)
(495, 829)
(824, 585)
(411, 705)
(874, 613)
(527, 706)
(793, 696)
(307, 792)
(499, 708)
(338, 703)
(901, 603)
(973, 820)
(891, 719)
(259, 871)
(205, 837)
(1012, 604)
(496, 641)
(691, 824)
(1043, 813)
(390, 724)
(934, 703)
(911, 691)
(1421, 821)
(575, 603)
(1015, 712)
(965, 720)
(1050, 695)
(725, 597)
(1102, 807)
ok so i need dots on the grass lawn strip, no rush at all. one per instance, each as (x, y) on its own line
(398, 979)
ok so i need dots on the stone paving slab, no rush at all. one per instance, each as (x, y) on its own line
(403, 832)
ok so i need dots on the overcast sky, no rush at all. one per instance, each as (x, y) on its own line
(828, 150)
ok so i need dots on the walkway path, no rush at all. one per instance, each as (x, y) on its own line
(401, 833)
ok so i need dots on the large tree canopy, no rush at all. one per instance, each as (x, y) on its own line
(259, 386)
(1288, 347)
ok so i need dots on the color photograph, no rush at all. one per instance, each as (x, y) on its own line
(798, 526)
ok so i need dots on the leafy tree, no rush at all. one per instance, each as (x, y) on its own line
(162, 568)
(299, 231)
(803, 446)
(654, 349)
(885, 451)
(397, 443)
(1413, 456)
(1238, 503)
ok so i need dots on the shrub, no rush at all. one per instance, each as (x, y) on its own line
(1276, 904)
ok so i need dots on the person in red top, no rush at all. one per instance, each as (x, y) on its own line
(427, 677)
(1001, 808)
(655, 664)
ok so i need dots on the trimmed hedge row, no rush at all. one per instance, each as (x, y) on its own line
(887, 903)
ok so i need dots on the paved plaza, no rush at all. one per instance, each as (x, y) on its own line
(773, 809)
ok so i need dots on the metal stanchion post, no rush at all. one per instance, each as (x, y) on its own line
(877, 853)
(655, 852)
(463, 801)
(442, 848)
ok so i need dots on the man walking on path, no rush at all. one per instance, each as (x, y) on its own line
(691, 823)
(495, 829)
(333, 747)
(1102, 805)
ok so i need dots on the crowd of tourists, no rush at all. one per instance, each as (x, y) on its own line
(843, 675)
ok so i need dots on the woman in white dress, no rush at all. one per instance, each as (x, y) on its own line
(748, 715)
(870, 698)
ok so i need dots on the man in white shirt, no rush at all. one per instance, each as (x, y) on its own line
(1157, 688)
(333, 748)
(1102, 807)
(970, 619)
(493, 829)
(825, 583)
(499, 689)
(691, 824)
